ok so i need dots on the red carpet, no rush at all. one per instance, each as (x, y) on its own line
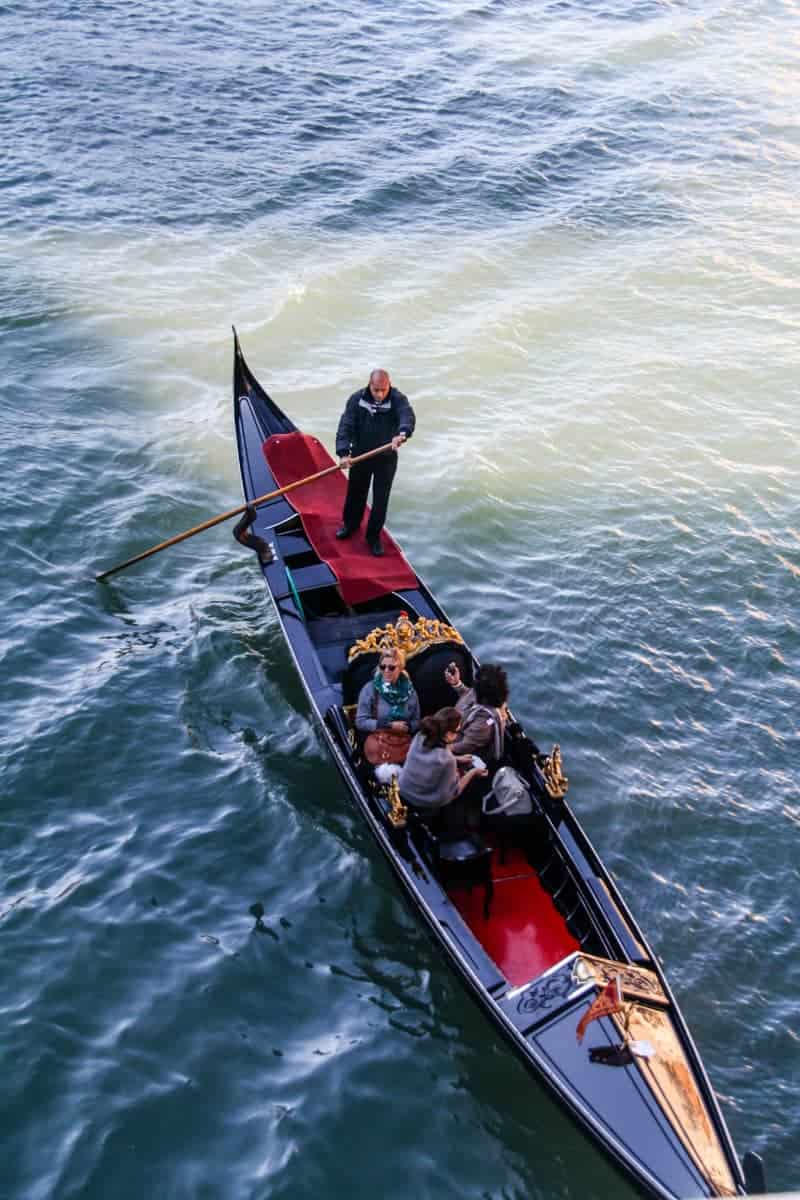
(525, 933)
(361, 576)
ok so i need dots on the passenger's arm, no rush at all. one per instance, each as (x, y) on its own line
(475, 738)
(452, 675)
(366, 713)
(468, 777)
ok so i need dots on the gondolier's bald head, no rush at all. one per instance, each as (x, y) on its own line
(379, 384)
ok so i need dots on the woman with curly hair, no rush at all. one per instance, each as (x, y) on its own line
(484, 712)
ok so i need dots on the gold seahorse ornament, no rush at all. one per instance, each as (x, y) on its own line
(555, 780)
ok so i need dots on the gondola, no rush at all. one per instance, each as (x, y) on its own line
(526, 915)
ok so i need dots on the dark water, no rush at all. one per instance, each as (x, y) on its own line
(568, 230)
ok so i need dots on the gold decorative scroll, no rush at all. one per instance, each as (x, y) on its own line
(408, 637)
(637, 982)
(397, 810)
(555, 780)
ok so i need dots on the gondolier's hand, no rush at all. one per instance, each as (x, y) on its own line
(398, 440)
(345, 462)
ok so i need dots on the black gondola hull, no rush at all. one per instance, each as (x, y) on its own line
(617, 1105)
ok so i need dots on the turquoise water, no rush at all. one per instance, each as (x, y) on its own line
(569, 232)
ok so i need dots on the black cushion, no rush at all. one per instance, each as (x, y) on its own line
(427, 674)
(461, 849)
(358, 672)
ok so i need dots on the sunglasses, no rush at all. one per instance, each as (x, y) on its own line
(389, 667)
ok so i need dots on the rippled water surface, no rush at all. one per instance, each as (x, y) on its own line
(570, 231)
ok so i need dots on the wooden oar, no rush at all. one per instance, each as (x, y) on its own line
(234, 512)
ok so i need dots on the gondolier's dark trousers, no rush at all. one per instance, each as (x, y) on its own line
(378, 471)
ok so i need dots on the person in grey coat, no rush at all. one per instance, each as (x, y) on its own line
(429, 778)
(484, 711)
(388, 700)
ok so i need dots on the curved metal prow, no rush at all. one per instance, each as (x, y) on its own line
(246, 384)
(242, 379)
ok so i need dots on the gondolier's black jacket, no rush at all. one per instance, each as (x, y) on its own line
(365, 425)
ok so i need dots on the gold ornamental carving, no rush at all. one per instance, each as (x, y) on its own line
(637, 982)
(410, 637)
(555, 780)
(398, 812)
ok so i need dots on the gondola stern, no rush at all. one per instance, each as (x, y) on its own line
(242, 377)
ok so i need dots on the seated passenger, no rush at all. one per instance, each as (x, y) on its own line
(388, 709)
(484, 712)
(429, 778)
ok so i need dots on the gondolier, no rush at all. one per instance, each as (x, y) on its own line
(373, 416)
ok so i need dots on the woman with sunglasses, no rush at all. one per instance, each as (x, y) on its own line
(388, 701)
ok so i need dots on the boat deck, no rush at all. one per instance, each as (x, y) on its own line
(653, 1111)
(525, 933)
(359, 576)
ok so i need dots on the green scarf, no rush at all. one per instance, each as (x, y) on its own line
(395, 694)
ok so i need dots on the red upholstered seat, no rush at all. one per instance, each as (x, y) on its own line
(361, 576)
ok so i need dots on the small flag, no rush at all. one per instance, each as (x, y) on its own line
(608, 1001)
